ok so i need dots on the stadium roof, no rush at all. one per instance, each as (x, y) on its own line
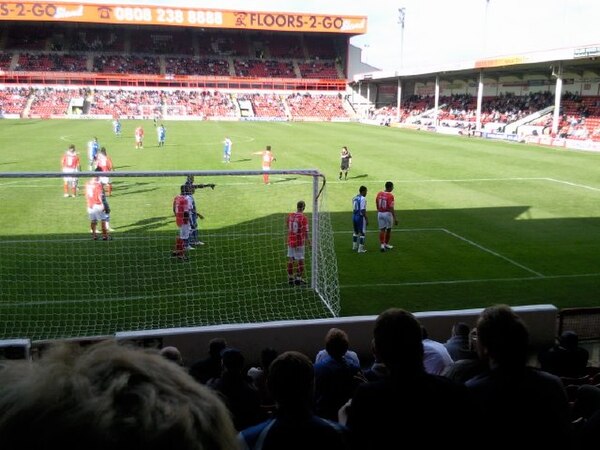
(581, 59)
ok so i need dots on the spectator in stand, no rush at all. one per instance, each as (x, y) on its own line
(172, 354)
(108, 396)
(409, 405)
(435, 356)
(237, 391)
(566, 358)
(260, 374)
(335, 376)
(209, 367)
(520, 400)
(459, 345)
(586, 415)
(294, 425)
(350, 356)
(70, 164)
(378, 370)
(462, 370)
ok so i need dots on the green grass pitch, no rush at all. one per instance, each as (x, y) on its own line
(481, 222)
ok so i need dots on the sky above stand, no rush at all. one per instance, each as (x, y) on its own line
(439, 32)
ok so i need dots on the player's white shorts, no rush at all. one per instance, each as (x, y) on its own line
(97, 213)
(104, 180)
(184, 231)
(266, 167)
(296, 252)
(69, 179)
(385, 220)
(139, 139)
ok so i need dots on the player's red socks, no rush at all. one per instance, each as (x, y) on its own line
(300, 268)
(179, 247)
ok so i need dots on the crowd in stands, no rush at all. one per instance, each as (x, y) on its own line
(580, 116)
(177, 52)
(109, 395)
(126, 103)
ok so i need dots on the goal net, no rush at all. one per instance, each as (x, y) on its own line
(58, 282)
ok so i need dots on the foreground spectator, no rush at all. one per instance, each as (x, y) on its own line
(294, 426)
(108, 396)
(409, 405)
(525, 403)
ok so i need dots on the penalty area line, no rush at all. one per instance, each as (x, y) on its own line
(464, 239)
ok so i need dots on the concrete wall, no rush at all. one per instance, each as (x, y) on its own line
(307, 336)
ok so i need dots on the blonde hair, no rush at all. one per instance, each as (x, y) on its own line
(108, 396)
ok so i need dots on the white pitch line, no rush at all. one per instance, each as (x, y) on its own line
(468, 241)
(568, 183)
(492, 252)
(469, 180)
(480, 280)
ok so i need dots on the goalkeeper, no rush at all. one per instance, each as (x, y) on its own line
(190, 189)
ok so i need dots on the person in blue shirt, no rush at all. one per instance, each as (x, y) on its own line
(117, 127)
(93, 147)
(359, 219)
(162, 134)
(227, 150)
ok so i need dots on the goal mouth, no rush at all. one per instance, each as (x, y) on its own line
(61, 282)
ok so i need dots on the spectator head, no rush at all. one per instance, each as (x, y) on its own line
(336, 343)
(267, 356)
(291, 380)
(232, 360)
(216, 346)
(108, 396)
(502, 337)
(172, 354)
(460, 329)
(569, 340)
(398, 341)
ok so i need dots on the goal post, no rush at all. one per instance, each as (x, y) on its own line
(58, 282)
